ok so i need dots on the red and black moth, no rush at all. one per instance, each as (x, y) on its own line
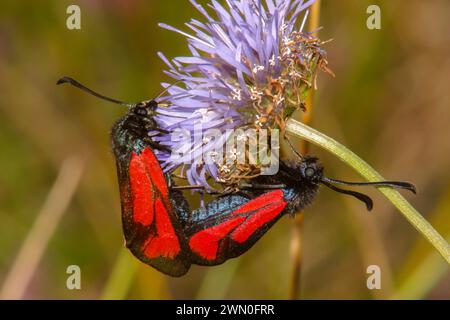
(161, 230)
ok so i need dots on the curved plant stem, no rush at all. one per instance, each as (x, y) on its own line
(422, 281)
(412, 215)
(296, 240)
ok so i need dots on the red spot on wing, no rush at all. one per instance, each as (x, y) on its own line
(146, 177)
(257, 220)
(261, 201)
(155, 171)
(165, 242)
(151, 205)
(206, 243)
(141, 191)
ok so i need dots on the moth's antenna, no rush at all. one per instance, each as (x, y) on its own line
(75, 83)
(393, 184)
(292, 148)
(360, 196)
(167, 89)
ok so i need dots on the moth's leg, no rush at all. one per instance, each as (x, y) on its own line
(203, 189)
(156, 145)
(292, 147)
(257, 186)
(158, 130)
(243, 189)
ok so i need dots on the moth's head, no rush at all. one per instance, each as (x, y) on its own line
(311, 170)
(145, 108)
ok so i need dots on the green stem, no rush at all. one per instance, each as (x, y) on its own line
(412, 215)
(422, 281)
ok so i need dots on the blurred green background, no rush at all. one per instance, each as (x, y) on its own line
(389, 102)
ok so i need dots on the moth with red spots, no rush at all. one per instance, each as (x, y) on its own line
(152, 229)
(161, 230)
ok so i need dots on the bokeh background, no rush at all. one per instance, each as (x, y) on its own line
(389, 102)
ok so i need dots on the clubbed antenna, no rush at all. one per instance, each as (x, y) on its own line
(360, 196)
(330, 183)
(75, 83)
(393, 184)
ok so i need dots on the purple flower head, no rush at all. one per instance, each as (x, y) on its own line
(251, 65)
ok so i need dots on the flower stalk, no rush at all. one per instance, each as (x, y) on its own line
(303, 131)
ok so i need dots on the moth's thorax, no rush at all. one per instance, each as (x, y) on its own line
(130, 132)
(138, 121)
